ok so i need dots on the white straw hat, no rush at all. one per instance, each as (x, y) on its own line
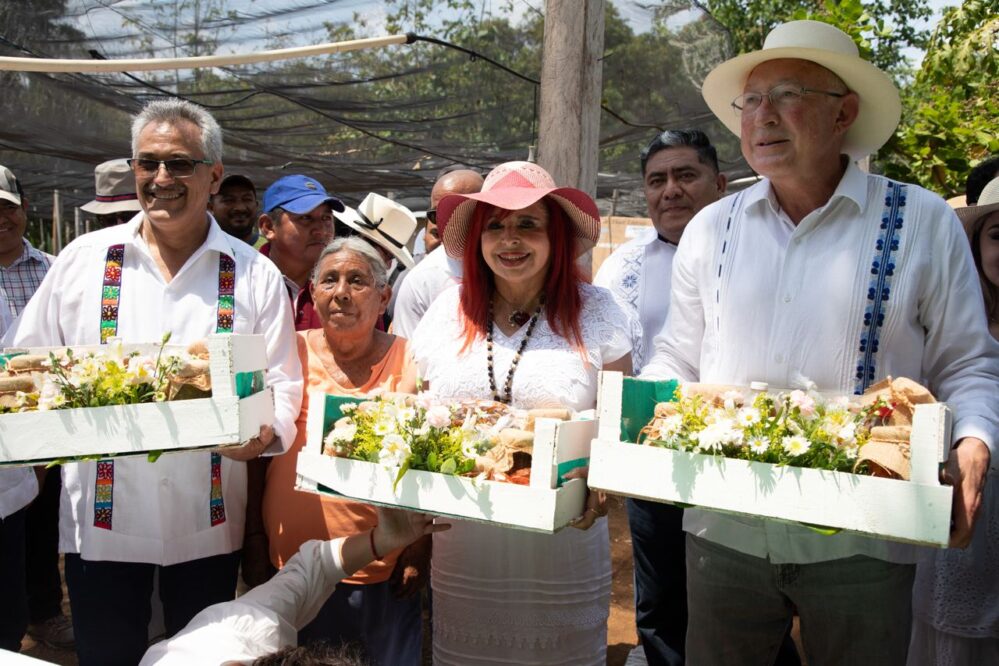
(826, 45)
(383, 222)
(988, 202)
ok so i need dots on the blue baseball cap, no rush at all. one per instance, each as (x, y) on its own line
(298, 195)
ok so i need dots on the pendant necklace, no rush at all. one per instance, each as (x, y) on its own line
(507, 394)
(518, 317)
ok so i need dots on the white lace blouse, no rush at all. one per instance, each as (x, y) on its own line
(551, 372)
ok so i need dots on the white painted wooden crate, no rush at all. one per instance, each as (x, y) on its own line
(539, 507)
(224, 419)
(916, 511)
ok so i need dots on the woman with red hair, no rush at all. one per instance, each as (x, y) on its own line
(523, 328)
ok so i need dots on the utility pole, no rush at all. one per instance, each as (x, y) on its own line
(571, 80)
(56, 222)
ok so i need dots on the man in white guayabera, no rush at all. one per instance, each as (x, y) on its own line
(821, 273)
(170, 269)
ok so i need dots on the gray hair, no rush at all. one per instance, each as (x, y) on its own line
(172, 110)
(359, 246)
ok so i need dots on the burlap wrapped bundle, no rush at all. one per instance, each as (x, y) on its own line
(512, 450)
(511, 454)
(28, 364)
(11, 385)
(887, 452)
(193, 380)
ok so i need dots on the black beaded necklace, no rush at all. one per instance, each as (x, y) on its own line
(508, 385)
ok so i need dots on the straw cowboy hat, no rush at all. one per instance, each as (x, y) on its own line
(512, 186)
(988, 202)
(114, 183)
(821, 43)
(384, 222)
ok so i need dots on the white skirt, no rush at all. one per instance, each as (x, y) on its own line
(505, 596)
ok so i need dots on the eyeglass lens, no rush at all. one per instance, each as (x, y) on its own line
(178, 167)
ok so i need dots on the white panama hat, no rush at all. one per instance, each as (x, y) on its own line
(988, 203)
(384, 222)
(830, 47)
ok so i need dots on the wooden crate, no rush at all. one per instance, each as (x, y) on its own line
(916, 511)
(237, 365)
(546, 505)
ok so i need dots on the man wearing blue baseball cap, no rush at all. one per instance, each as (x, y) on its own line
(298, 223)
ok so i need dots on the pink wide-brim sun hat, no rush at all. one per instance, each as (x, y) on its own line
(512, 186)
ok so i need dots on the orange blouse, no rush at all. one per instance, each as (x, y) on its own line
(292, 517)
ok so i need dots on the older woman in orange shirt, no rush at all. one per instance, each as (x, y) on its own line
(347, 356)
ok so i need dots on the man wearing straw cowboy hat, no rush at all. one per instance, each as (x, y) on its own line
(821, 275)
(116, 201)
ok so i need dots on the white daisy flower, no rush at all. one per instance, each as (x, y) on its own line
(795, 445)
(384, 427)
(759, 445)
(748, 416)
(394, 451)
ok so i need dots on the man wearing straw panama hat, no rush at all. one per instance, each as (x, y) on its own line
(821, 275)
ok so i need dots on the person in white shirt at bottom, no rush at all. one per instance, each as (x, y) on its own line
(267, 619)
(170, 269)
(821, 274)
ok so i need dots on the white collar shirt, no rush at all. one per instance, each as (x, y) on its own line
(638, 274)
(423, 284)
(756, 298)
(162, 512)
(261, 622)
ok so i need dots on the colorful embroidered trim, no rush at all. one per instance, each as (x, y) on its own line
(110, 295)
(227, 294)
(224, 324)
(879, 290)
(111, 292)
(217, 504)
(104, 494)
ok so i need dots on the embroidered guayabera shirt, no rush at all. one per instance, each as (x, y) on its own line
(188, 505)
(879, 281)
(638, 274)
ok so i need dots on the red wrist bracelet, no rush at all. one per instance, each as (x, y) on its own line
(374, 551)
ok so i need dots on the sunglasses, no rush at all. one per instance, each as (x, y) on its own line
(177, 168)
(431, 216)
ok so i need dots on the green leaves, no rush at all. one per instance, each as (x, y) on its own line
(950, 110)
